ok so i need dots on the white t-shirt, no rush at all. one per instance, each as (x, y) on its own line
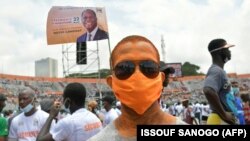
(109, 117)
(205, 110)
(197, 108)
(110, 133)
(118, 111)
(79, 126)
(179, 110)
(26, 128)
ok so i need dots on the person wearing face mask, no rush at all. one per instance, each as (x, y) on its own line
(216, 84)
(230, 99)
(110, 113)
(238, 103)
(79, 126)
(167, 72)
(26, 126)
(136, 81)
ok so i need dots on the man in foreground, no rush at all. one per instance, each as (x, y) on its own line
(137, 83)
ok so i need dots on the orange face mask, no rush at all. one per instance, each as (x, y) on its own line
(138, 92)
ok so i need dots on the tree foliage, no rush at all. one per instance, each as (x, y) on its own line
(103, 74)
(189, 69)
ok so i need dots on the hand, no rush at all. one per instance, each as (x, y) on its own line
(230, 118)
(54, 110)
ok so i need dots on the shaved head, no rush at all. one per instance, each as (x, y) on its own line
(25, 97)
(29, 92)
(132, 39)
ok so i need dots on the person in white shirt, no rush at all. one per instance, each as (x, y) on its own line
(164, 108)
(110, 114)
(79, 126)
(26, 126)
(179, 109)
(197, 111)
(205, 111)
(118, 108)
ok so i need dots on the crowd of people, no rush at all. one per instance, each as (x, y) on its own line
(138, 82)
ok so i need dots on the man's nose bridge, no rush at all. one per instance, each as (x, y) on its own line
(137, 68)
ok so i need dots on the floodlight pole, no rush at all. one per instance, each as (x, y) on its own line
(109, 53)
(163, 49)
(109, 45)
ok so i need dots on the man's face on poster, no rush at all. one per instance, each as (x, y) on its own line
(89, 20)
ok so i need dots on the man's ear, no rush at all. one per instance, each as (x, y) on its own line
(163, 76)
(109, 80)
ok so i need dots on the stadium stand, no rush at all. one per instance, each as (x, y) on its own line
(179, 88)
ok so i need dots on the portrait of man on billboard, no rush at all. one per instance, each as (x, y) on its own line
(93, 32)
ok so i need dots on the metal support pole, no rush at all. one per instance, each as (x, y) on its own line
(99, 74)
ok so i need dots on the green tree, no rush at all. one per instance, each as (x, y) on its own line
(189, 69)
(103, 74)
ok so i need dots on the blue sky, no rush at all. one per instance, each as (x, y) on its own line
(186, 25)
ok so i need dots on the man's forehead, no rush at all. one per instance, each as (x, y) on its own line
(87, 13)
(24, 95)
(140, 47)
(134, 52)
(124, 48)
